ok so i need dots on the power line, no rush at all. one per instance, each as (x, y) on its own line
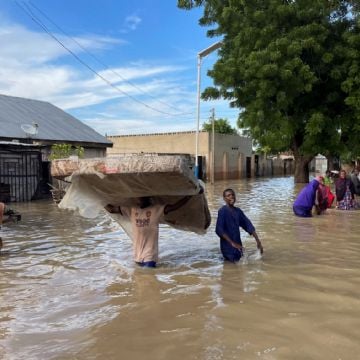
(101, 62)
(39, 22)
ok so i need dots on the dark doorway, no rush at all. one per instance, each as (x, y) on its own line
(248, 166)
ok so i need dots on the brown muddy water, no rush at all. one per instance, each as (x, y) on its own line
(69, 288)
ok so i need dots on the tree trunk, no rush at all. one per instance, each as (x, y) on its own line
(302, 168)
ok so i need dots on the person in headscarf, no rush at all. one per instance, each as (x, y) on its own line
(345, 191)
(307, 198)
(327, 183)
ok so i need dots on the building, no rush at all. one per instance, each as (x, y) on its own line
(319, 164)
(28, 129)
(233, 153)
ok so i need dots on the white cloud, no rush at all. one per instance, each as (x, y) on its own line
(131, 23)
(20, 46)
(32, 65)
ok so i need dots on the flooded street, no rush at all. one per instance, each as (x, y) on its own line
(69, 288)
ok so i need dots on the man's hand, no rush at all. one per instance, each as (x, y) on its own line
(201, 191)
(260, 247)
(236, 245)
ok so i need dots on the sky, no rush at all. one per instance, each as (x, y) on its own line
(121, 67)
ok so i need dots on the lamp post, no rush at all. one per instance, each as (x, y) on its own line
(200, 56)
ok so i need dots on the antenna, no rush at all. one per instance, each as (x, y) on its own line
(30, 129)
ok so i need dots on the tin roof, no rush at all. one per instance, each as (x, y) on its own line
(53, 123)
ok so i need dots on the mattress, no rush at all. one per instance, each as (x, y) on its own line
(118, 180)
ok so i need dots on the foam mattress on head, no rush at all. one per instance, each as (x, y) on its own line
(133, 175)
(117, 180)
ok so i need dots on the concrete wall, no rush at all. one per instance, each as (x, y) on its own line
(264, 166)
(94, 152)
(319, 164)
(171, 143)
(230, 156)
(230, 150)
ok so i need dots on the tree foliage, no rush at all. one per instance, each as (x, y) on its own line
(63, 151)
(293, 66)
(221, 126)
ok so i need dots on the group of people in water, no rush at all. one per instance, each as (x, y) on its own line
(317, 194)
(145, 216)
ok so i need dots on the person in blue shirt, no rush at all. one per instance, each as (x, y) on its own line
(230, 219)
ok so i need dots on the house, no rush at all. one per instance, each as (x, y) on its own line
(233, 153)
(28, 129)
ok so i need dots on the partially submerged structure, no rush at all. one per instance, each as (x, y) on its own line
(220, 156)
(28, 129)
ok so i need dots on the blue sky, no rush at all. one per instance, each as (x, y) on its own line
(143, 51)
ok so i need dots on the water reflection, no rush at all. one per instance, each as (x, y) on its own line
(69, 288)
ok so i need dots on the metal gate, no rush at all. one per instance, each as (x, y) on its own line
(21, 171)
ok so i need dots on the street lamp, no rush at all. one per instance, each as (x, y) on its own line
(200, 56)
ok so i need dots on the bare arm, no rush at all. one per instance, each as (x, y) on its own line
(258, 242)
(232, 243)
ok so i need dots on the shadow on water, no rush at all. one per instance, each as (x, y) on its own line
(69, 288)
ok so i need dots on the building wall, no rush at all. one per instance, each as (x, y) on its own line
(171, 143)
(230, 150)
(275, 166)
(94, 152)
(230, 156)
(319, 164)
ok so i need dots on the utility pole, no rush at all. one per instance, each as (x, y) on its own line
(212, 174)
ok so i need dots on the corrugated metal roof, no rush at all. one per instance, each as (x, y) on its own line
(53, 123)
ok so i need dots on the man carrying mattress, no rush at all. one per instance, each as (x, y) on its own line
(145, 218)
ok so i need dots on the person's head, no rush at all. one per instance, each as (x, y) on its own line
(327, 173)
(342, 174)
(143, 201)
(229, 197)
(320, 179)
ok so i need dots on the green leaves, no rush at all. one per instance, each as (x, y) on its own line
(222, 126)
(63, 151)
(292, 66)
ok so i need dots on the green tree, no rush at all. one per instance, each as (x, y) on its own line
(221, 126)
(293, 67)
(63, 151)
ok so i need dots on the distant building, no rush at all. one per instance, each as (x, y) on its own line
(233, 153)
(28, 129)
(319, 164)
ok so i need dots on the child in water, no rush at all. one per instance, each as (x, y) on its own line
(230, 219)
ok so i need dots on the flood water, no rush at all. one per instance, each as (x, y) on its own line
(69, 288)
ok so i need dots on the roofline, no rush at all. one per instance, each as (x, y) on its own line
(152, 134)
(50, 142)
